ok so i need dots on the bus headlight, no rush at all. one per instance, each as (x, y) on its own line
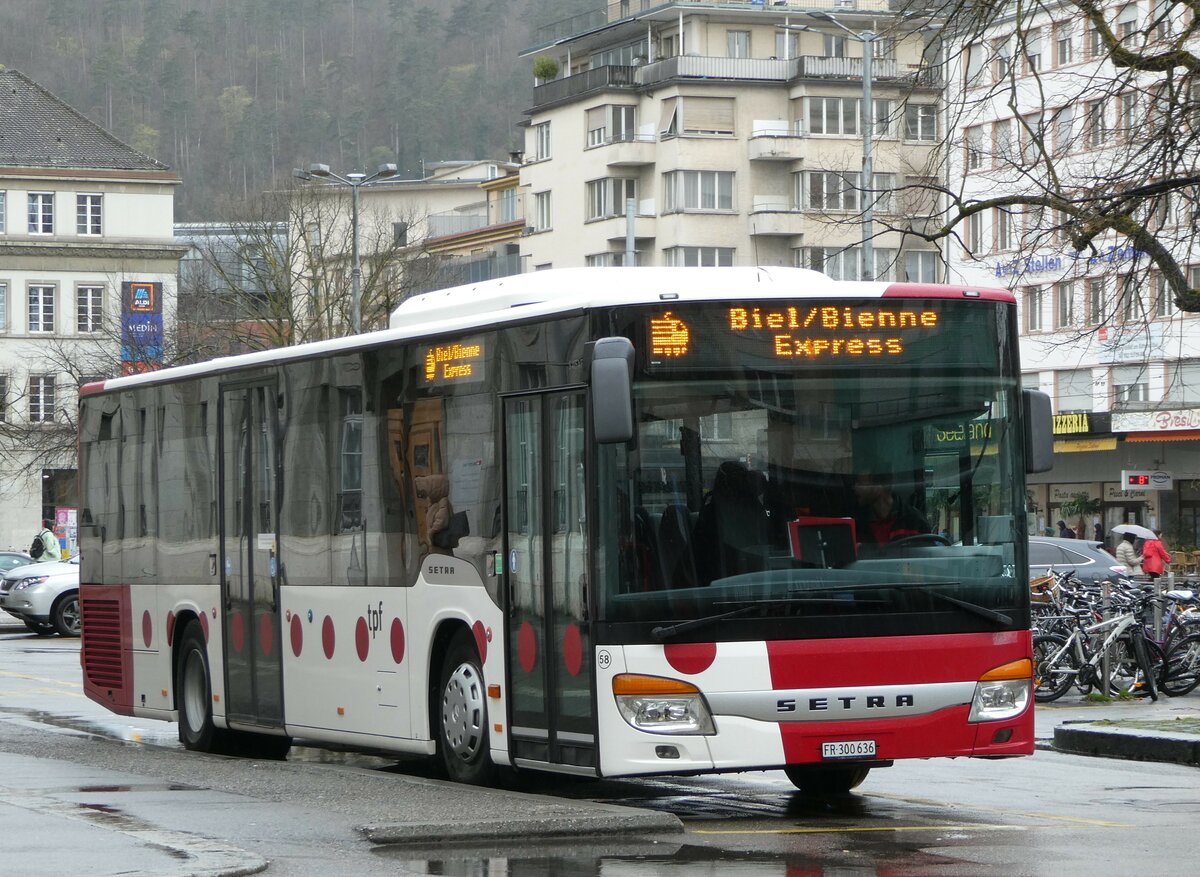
(662, 706)
(1003, 692)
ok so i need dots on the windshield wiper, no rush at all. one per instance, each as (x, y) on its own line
(973, 608)
(661, 633)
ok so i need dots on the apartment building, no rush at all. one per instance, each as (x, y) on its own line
(88, 267)
(1099, 331)
(728, 134)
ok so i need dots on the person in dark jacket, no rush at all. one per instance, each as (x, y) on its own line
(883, 516)
(1064, 531)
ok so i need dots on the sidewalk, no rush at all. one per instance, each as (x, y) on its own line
(1138, 729)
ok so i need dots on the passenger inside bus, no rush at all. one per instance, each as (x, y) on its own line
(733, 530)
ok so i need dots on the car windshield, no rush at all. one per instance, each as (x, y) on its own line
(814, 497)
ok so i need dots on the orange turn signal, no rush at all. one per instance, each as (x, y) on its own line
(493, 691)
(636, 684)
(1019, 669)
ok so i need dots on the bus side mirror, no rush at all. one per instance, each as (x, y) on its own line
(612, 390)
(1039, 431)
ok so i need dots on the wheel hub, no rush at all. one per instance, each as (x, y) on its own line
(462, 712)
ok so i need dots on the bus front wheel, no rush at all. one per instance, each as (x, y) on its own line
(815, 779)
(462, 714)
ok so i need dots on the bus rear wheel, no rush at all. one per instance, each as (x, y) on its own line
(819, 780)
(461, 714)
(193, 693)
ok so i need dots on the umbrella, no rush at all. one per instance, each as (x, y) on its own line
(1136, 529)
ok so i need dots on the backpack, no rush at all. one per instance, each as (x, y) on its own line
(38, 548)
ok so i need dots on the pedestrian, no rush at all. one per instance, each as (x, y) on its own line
(1154, 556)
(1098, 532)
(48, 543)
(1064, 531)
(1127, 555)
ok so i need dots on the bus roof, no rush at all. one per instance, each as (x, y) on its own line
(544, 294)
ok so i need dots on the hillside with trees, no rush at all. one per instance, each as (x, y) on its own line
(233, 94)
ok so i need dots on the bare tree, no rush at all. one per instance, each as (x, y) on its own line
(1096, 145)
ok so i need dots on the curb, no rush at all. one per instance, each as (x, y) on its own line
(435, 833)
(1128, 744)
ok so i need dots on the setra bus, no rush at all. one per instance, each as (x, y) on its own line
(606, 522)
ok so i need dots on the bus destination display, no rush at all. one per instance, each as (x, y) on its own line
(453, 363)
(819, 333)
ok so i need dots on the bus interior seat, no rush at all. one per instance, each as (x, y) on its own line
(649, 574)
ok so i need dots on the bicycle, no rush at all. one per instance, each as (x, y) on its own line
(1135, 662)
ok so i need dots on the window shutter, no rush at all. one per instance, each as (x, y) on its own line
(708, 115)
(596, 117)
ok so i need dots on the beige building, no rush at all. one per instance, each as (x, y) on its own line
(88, 268)
(735, 130)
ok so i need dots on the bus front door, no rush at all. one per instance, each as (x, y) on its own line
(249, 562)
(546, 574)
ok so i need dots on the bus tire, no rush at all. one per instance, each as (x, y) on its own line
(193, 694)
(461, 714)
(822, 781)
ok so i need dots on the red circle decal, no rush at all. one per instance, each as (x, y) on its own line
(690, 658)
(362, 639)
(572, 649)
(147, 628)
(297, 636)
(170, 627)
(327, 639)
(527, 646)
(397, 640)
(480, 640)
(266, 633)
(237, 632)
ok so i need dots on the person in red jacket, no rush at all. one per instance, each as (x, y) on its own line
(1154, 556)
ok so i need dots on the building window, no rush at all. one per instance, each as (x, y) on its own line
(1097, 300)
(974, 142)
(41, 308)
(1093, 42)
(87, 214)
(1130, 384)
(708, 115)
(1033, 308)
(697, 190)
(699, 257)
(1127, 24)
(1002, 54)
(3, 398)
(1164, 298)
(1183, 383)
(787, 44)
(542, 219)
(610, 260)
(541, 141)
(1126, 115)
(974, 65)
(1064, 304)
(1130, 298)
(41, 213)
(974, 239)
(3, 307)
(920, 122)
(3, 212)
(1002, 229)
(1033, 51)
(1095, 129)
(612, 123)
(608, 197)
(737, 43)
(1063, 47)
(834, 46)
(846, 263)
(922, 266)
(1002, 141)
(41, 399)
(88, 308)
(1075, 390)
(1064, 130)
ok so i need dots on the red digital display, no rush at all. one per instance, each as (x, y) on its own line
(1137, 480)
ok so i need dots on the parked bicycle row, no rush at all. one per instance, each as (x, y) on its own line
(1119, 637)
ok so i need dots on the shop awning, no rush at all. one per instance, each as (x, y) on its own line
(1182, 435)
(1076, 446)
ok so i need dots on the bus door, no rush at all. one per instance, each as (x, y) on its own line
(546, 578)
(250, 483)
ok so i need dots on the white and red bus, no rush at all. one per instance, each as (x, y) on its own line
(600, 521)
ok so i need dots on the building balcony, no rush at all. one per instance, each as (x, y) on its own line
(636, 152)
(614, 228)
(569, 87)
(773, 216)
(776, 140)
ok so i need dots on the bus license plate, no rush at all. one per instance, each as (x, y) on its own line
(848, 749)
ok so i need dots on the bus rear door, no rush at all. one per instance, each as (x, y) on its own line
(250, 483)
(546, 573)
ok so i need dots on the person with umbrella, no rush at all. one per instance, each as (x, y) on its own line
(1154, 556)
(1126, 550)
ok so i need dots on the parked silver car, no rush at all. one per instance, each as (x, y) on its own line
(44, 595)
(1086, 557)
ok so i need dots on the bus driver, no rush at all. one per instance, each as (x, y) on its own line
(883, 516)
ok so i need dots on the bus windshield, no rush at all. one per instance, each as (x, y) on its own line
(827, 496)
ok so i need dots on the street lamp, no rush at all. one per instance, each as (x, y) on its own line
(355, 181)
(867, 38)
